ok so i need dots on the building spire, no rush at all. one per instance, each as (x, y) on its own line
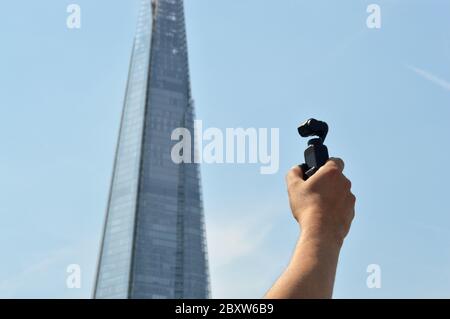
(154, 243)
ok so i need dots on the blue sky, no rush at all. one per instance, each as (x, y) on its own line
(255, 63)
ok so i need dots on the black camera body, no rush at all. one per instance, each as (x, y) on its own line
(316, 154)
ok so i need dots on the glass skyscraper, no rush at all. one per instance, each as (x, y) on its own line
(154, 243)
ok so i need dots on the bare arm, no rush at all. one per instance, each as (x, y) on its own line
(324, 208)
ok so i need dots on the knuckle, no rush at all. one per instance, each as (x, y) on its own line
(347, 183)
(332, 163)
(352, 216)
(288, 177)
(292, 186)
(332, 170)
(338, 162)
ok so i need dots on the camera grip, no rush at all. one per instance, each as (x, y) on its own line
(315, 157)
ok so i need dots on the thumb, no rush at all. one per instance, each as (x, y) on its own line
(294, 175)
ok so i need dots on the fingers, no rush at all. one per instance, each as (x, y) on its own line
(334, 167)
(352, 202)
(295, 174)
(336, 161)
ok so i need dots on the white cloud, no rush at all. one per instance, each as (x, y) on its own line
(46, 278)
(228, 241)
(13, 285)
(430, 77)
(243, 262)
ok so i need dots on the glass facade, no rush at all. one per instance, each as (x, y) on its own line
(154, 243)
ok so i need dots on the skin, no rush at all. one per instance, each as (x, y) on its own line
(324, 208)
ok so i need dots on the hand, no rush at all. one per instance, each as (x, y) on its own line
(324, 205)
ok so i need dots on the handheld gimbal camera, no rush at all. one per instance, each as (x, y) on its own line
(316, 155)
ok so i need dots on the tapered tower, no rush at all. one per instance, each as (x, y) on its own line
(154, 243)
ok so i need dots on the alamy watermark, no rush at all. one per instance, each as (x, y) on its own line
(232, 146)
(74, 19)
(374, 278)
(374, 19)
(73, 280)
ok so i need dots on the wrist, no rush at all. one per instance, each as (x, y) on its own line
(325, 238)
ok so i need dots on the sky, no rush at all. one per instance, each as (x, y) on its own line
(385, 94)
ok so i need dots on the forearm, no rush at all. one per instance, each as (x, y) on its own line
(311, 271)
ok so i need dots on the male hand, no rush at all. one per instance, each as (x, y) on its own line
(324, 205)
